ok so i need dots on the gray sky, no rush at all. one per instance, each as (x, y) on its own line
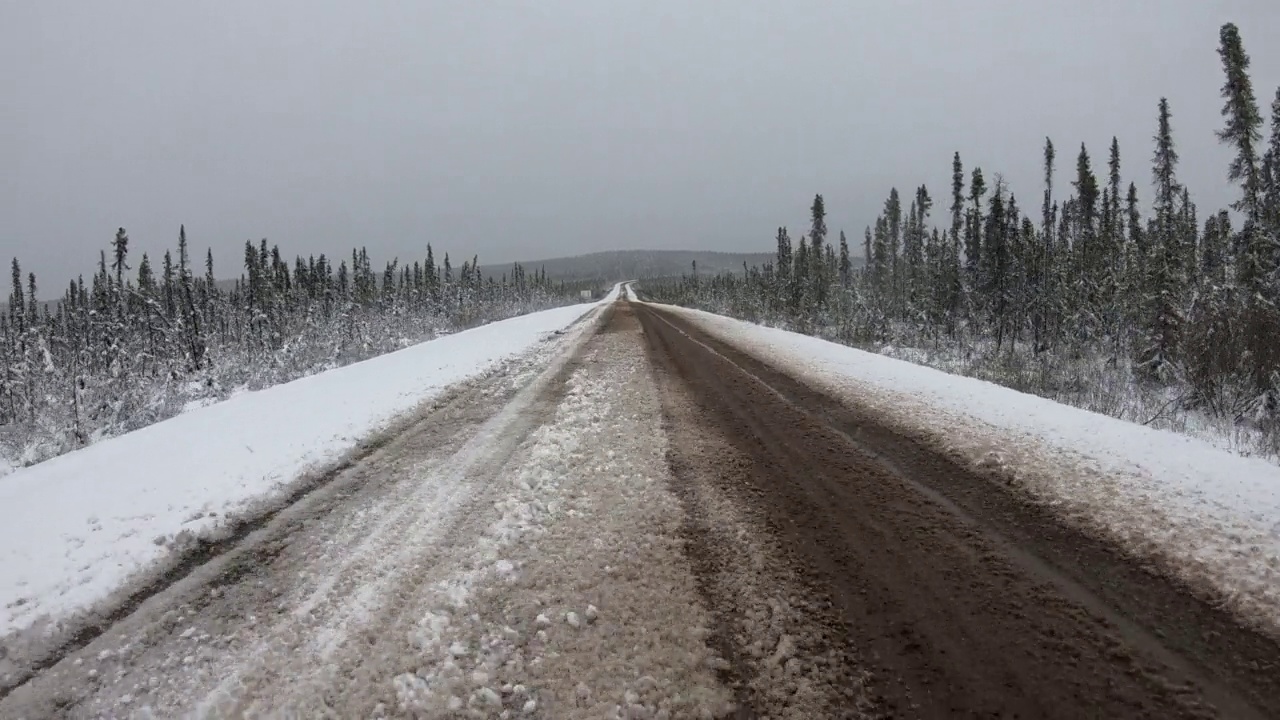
(535, 129)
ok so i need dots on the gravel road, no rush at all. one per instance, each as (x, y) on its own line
(637, 521)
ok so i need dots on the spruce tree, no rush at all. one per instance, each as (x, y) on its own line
(17, 301)
(783, 275)
(1046, 210)
(893, 225)
(1086, 185)
(1042, 286)
(817, 239)
(1166, 280)
(957, 197)
(1258, 262)
(973, 230)
(846, 266)
(120, 251)
(995, 262)
(33, 302)
(866, 252)
(800, 277)
(1113, 178)
(192, 334)
(146, 278)
(880, 260)
(1164, 166)
(1243, 130)
(1112, 248)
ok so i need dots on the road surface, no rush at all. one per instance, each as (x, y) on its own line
(655, 525)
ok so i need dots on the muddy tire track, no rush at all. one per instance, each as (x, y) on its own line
(960, 600)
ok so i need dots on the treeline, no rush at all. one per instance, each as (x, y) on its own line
(1086, 290)
(134, 345)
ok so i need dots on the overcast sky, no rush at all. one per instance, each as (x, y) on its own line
(536, 129)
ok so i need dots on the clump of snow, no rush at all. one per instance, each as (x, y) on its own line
(1209, 516)
(180, 477)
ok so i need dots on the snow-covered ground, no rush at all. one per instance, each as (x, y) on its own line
(1206, 514)
(1094, 383)
(75, 528)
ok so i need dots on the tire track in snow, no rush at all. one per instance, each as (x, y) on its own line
(375, 584)
(206, 629)
(577, 600)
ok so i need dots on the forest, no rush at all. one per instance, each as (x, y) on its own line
(1150, 310)
(138, 342)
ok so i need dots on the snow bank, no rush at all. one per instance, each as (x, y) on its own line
(73, 529)
(1210, 516)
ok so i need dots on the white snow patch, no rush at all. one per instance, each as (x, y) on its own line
(1212, 516)
(185, 473)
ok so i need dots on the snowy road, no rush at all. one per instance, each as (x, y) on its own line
(645, 522)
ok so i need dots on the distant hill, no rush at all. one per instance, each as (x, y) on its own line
(634, 264)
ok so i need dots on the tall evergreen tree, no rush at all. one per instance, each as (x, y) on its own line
(1258, 256)
(120, 251)
(1243, 130)
(846, 265)
(17, 301)
(817, 238)
(957, 197)
(33, 302)
(1086, 185)
(973, 228)
(1166, 279)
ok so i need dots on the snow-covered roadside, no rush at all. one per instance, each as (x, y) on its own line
(631, 293)
(75, 528)
(1097, 385)
(1210, 516)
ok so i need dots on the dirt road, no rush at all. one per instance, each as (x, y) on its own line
(639, 522)
(957, 598)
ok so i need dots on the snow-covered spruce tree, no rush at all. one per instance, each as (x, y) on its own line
(1243, 130)
(973, 246)
(846, 264)
(1165, 282)
(1258, 258)
(818, 276)
(1087, 265)
(1040, 275)
(1112, 288)
(893, 238)
(994, 264)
